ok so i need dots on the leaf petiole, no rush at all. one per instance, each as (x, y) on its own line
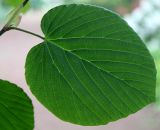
(25, 31)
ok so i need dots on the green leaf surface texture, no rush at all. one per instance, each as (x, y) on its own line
(16, 110)
(92, 67)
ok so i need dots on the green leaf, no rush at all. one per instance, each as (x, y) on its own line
(92, 68)
(15, 3)
(16, 110)
(16, 20)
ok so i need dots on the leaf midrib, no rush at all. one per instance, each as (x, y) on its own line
(108, 72)
(140, 65)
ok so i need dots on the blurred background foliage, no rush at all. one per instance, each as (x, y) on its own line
(7, 5)
(142, 15)
(120, 6)
(13, 4)
(156, 56)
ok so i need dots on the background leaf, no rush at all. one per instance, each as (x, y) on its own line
(17, 19)
(15, 3)
(16, 110)
(92, 68)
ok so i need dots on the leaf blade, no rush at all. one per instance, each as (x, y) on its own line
(93, 68)
(15, 108)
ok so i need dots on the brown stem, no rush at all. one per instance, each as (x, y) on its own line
(19, 29)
